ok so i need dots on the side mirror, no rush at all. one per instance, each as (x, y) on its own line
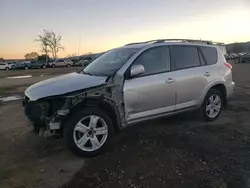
(136, 70)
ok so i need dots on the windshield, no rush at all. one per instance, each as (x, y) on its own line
(108, 63)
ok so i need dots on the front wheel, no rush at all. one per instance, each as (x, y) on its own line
(7, 68)
(88, 132)
(43, 66)
(68, 65)
(212, 105)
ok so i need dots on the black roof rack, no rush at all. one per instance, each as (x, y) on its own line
(177, 40)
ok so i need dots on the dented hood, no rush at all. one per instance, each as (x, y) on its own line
(63, 84)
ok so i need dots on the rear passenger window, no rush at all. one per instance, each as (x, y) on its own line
(210, 54)
(202, 59)
(154, 60)
(185, 57)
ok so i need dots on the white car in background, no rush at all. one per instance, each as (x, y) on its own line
(61, 63)
(5, 66)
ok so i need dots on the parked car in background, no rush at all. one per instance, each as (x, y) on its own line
(24, 65)
(243, 58)
(61, 63)
(5, 66)
(81, 63)
(38, 64)
(128, 85)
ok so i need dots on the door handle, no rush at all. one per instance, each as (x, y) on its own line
(169, 81)
(207, 74)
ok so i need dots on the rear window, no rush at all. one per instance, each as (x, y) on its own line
(210, 55)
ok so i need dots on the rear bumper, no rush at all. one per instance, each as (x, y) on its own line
(230, 90)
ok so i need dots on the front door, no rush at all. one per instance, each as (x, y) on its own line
(151, 93)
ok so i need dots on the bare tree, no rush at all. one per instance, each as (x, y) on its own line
(44, 42)
(32, 55)
(50, 42)
(54, 43)
(1, 59)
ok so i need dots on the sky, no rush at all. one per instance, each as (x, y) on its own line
(98, 25)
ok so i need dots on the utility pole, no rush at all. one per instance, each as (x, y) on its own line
(79, 45)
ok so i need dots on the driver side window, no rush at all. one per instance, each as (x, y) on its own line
(155, 60)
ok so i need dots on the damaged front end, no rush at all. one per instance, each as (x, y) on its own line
(48, 116)
(49, 103)
(44, 115)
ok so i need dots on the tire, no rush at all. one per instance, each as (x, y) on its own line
(215, 107)
(7, 68)
(43, 66)
(236, 61)
(53, 66)
(88, 134)
(26, 68)
(68, 65)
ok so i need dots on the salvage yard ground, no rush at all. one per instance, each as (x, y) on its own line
(180, 151)
(15, 81)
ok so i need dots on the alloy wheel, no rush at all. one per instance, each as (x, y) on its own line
(90, 133)
(213, 106)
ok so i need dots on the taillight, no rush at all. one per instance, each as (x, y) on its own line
(228, 65)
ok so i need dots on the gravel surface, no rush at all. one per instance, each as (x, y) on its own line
(10, 83)
(38, 72)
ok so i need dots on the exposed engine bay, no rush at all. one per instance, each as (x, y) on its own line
(49, 115)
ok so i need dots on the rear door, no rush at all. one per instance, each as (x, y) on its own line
(190, 75)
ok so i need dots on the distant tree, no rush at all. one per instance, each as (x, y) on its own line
(43, 57)
(50, 42)
(1, 59)
(43, 40)
(54, 42)
(32, 55)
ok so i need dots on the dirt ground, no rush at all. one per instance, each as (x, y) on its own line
(27, 160)
(9, 84)
(38, 72)
(180, 151)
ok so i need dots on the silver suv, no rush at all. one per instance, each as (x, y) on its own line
(127, 85)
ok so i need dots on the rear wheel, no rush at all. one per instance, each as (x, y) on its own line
(43, 66)
(53, 65)
(68, 65)
(26, 68)
(212, 105)
(88, 132)
(7, 68)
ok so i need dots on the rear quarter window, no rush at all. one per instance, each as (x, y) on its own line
(210, 55)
